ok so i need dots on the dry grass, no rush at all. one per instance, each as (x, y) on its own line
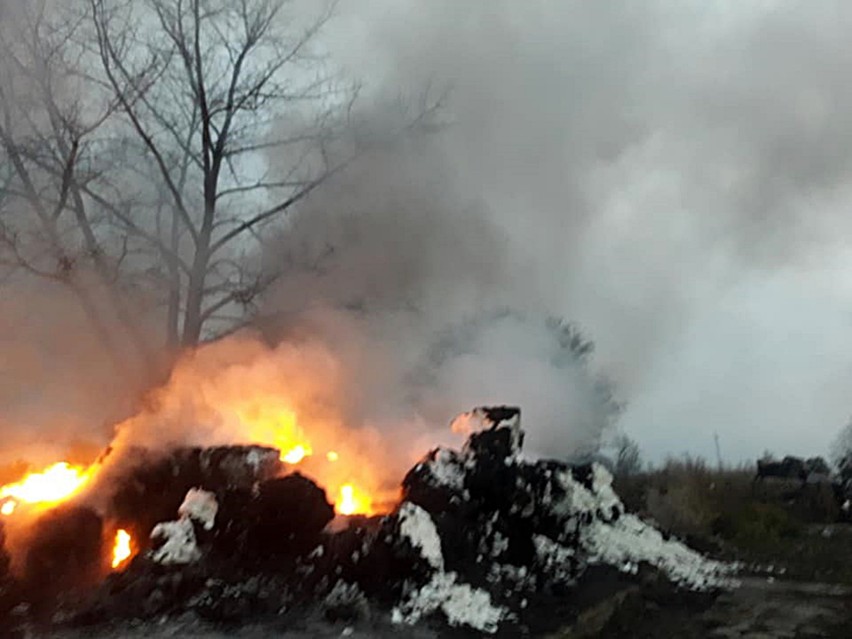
(726, 511)
(686, 496)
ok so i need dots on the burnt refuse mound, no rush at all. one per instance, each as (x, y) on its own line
(482, 541)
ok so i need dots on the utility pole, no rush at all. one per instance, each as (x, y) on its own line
(718, 451)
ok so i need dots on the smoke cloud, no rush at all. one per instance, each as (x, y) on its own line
(61, 389)
(672, 176)
(669, 176)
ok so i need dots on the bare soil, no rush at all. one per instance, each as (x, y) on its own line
(760, 608)
(766, 607)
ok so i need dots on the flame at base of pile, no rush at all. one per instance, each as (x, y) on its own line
(53, 485)
(122, 549)
(352, 502)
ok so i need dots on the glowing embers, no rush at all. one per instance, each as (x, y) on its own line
(352, 501)
(48, 487)
(122, 548)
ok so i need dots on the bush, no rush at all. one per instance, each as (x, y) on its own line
(680, 509)
(757, 525)
(628, 457)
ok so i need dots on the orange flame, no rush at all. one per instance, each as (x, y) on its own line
(239, 391)
(269, 420)
(48, 487)
(353, 501)
(122, 549)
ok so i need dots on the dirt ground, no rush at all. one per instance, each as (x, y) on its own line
(760, 608)
(191, 629)
(765, 607)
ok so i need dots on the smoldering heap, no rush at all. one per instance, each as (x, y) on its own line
(482, 538)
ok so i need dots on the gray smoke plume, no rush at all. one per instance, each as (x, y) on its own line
(422, 296)
(669, 176)
(672, 176)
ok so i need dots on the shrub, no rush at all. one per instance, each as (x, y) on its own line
(757, 525)
(680, 510)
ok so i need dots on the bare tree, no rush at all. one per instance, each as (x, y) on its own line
(47, 134)
(628, 458)
(212, 89)
(148, 145)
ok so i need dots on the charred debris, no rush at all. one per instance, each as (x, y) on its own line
(482, 539)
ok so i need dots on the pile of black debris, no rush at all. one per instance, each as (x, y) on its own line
(482, 539)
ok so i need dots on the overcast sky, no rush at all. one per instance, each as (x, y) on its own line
(675, 176)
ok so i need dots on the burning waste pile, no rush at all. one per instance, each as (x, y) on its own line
(481, 538)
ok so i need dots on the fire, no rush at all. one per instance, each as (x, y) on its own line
(296, 454)
(270, 421)
(50, 486)
(239, 391)
(121, 550)
(352, 501)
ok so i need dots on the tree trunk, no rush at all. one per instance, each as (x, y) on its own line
(192, 314)
(173, 318)
(193, 318)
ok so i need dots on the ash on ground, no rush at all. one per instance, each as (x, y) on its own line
(483, 541)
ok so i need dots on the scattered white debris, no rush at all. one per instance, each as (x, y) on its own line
(629, 541)
(500, 544)
(460, 603)
(178, 542)
(177, 538)
(624, 540)
(591, 527)
(417, 526)
(519, 577)
(556, 558)
(602, 488)
(201, 506)
(447, 469)
(577, 500)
